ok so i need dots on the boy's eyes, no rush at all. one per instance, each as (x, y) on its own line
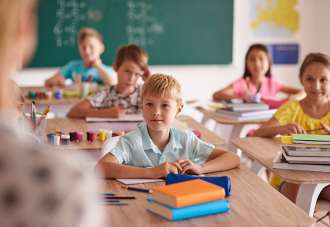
(165, 105)
(149, 104)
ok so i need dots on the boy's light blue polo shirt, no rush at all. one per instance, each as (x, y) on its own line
(137, 149)
(77, 66)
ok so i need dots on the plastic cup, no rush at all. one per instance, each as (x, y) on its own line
(253, 97)
(91, 136)
(84, 90)
(108, 135)
(49, 95)
(35, 125)
(102, 135)
(58, 94)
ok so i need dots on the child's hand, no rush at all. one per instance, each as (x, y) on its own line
(165, 169)
(96, 63)
(189, 167)
(117, 111)
(325, 128)
(146, 74)
(292, 128)
(59, 81)
(293, 97)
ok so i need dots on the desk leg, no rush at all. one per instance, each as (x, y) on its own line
(258, 169)
(239, 131)
(205, 119)
(307, 196)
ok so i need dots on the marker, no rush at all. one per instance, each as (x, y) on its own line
(137, 189)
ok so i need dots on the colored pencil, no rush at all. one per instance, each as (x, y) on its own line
(125, 186)
(313, 130)
(138, 189)
(119, 197)
(90, 78)
(105, 194)
(27, 119)
(46, 111)
(259, 88)
(113, 203)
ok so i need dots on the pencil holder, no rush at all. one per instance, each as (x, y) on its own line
(253, 97)
(84, 90)
(35, 125)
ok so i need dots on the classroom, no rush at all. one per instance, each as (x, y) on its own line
(165, 112)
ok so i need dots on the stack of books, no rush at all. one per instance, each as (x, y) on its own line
(187, 200)
(240, 111)
(304, 152)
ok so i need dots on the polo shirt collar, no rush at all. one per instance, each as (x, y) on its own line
(147, 143)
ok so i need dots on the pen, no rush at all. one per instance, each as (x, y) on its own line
(137, 189)
(259, 88)
(318, 129)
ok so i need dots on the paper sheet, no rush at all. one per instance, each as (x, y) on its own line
(207, 105)
(139, 181)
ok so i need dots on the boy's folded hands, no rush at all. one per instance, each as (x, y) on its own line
(180, 166)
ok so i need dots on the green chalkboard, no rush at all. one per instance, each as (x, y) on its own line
(173, 32)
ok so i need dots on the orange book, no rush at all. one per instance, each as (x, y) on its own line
(188, 193)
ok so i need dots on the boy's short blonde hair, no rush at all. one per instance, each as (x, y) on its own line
(88, 32)
(132, 52)
(163, 85)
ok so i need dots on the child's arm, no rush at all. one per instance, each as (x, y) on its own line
(272, 128)
(220, 160)
(108, 167)
(105, 77)
(85, 109)
(293, 93)
(227, 93)
(57, 80)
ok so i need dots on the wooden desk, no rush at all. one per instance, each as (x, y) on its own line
(252, 203)
(263, 152)
(58, 105)
(240, 130)
(74, 124)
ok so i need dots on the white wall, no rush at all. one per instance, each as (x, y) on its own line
(201, 81)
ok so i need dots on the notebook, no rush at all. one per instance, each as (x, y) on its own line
(310, 139)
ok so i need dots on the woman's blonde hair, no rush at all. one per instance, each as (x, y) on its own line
(164, 86)
(16, 95)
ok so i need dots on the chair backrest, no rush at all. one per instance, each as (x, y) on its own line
(108, 145)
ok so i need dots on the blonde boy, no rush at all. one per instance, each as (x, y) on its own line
(90, 47)
(125, 97)
(157, 145)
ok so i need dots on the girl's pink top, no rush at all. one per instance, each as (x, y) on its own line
(269, 87)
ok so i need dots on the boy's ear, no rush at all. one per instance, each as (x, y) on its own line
(102, 48)
(179, 109)
(141, 104)
(114, 66)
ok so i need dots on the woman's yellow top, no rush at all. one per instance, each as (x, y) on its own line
(292, 112)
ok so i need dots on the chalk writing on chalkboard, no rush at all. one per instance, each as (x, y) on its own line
(140, 29)
(141, 25)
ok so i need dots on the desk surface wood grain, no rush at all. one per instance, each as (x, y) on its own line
(264, 151)
(252, 203)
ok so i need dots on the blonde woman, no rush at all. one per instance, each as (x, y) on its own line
(35, 189)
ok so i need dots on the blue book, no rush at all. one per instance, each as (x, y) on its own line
(174, 214)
